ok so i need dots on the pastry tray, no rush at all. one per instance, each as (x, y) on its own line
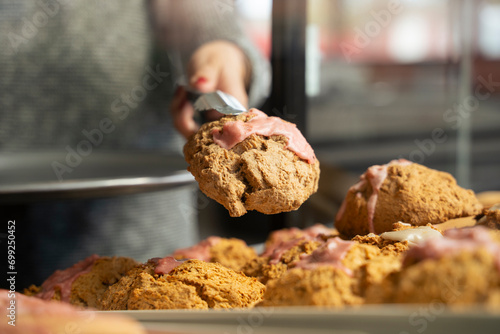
(30, 176)
(376, 319)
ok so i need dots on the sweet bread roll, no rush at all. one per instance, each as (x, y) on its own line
(253, 162)
(401, 191)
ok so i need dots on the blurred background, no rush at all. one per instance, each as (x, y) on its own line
(388, 79)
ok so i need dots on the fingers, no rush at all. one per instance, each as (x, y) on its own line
(182, 113)
(204, 79)
(219, 65)
(234, 85)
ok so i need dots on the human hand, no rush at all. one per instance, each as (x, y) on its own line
(217, 65)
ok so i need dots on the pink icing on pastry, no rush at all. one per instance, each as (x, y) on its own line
(166, 265)
(200, 251)
(63, 279)
(331, 253)
(284, 247)
(454, 242)
(279, 237)
(376, 176)
(316, 230)
(235, 132)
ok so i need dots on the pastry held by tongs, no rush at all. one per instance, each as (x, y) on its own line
(222, 102)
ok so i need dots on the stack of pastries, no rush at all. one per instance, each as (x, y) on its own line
(363, 260)
(394, 239)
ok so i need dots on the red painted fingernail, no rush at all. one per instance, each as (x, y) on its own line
(201, 80)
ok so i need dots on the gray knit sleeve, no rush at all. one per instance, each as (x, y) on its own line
(182, 26)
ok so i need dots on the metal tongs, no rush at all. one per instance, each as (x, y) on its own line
(222, 102)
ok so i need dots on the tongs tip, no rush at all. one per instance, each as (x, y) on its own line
(222, 102)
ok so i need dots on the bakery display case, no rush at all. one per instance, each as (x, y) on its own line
(373, 81)
(398, 103)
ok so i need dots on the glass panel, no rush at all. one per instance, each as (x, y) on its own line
(256, 19)
(388, 79)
